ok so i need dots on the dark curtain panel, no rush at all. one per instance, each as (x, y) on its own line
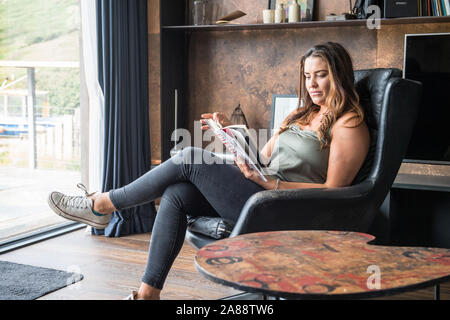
(123, 75)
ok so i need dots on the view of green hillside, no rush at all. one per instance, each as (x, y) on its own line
(43, 30)
(46, 155)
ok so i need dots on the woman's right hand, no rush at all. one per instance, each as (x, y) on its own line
(217, 116)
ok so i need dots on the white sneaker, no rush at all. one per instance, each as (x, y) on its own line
(78, 208)
(133, 296)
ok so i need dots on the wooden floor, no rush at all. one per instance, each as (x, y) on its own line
(112, 267)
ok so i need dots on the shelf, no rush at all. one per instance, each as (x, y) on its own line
(299, 25)
(422, 182)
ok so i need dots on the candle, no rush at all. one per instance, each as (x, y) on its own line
(268, 16)
(176, 115)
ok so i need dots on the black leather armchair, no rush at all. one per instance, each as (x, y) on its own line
(391, 104)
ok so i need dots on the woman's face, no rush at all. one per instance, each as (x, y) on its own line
(317, 79)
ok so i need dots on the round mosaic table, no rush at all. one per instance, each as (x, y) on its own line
(320, 265)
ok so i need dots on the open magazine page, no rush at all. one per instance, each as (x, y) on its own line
(236, 144)
(247, 144)
(247, 141)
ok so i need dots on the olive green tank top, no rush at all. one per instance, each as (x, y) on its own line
(297, 157)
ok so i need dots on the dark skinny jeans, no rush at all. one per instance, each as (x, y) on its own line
(185, 188)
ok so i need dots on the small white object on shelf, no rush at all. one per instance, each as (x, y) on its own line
(331, 17)
(268, 16)
(294, 12)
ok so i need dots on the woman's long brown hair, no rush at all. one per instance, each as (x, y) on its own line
(342, 96)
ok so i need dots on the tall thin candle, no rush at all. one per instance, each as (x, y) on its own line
(176, 115)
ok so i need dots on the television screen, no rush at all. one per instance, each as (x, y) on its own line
(427, 59)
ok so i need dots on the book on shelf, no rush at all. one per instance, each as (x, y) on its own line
(446, 5)
(238, 140)
(442, 7)
(435, 8)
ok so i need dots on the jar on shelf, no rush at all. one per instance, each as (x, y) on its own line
(201, 12)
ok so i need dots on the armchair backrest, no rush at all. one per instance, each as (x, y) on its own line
(371, 86)
(391, 106)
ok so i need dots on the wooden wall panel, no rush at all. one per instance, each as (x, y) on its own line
(154, 80)
(155, 96)
(153, 16)
(248, 67)
(391, 41)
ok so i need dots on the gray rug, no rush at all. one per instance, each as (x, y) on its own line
(24, 282)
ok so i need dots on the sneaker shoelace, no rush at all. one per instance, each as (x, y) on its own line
(79, 202)
(83, 187)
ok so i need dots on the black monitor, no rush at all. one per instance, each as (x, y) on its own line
(427, 59)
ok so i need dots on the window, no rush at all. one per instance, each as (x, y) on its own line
(40, 135)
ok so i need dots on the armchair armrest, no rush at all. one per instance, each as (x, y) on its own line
(307, 209)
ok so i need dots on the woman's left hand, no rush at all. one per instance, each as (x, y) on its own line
(252, 175)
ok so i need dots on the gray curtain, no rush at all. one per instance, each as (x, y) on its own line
(123, 76)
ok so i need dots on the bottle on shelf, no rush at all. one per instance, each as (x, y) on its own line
(280, 13)
(294, 12)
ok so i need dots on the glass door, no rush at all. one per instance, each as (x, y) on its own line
(40, 136)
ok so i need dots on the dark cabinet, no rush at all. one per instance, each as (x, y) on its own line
(416, 212)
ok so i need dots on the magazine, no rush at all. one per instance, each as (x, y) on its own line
(238, 140)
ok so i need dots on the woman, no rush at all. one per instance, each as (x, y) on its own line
(321, 145)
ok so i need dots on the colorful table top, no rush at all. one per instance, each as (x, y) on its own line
(320, 264)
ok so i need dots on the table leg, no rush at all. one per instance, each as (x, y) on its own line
(437, 292)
